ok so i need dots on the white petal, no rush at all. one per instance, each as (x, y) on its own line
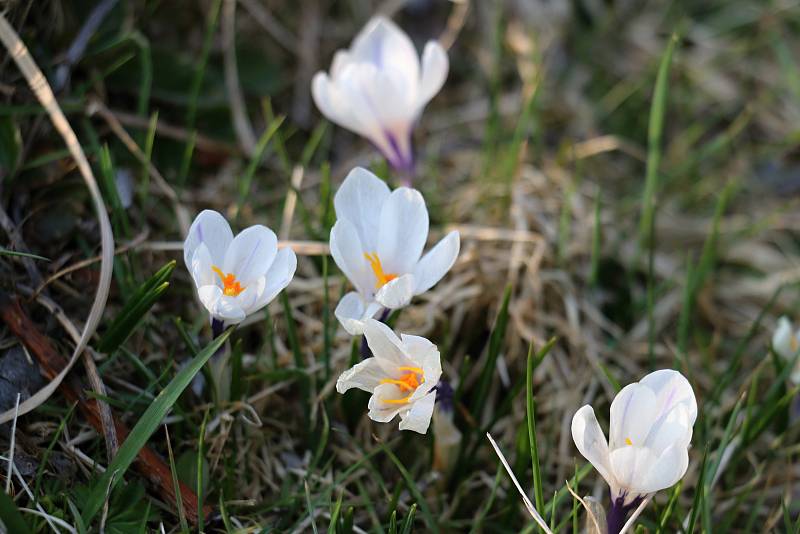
(211, 228)
(251, 254)
(671, 389)
(386, 46)
(360, 201)
(383, 412)
(652, 473)
(352, 310)
(434, 72)
(782, 339)
(591, 442)
(348, 253)
(673, 429)
(397, 293)
(365, 375)
(335, 104)
(418, 418)
(403, 230)
(219, 306)
(633, 412)
(201, 267)
(386, 347)
(630, 465)
(278, 276)
(246, 300)
(436, 262)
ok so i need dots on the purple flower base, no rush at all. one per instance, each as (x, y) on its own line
(365, 352)
(403, 164)
(217, 328)
(618, 513)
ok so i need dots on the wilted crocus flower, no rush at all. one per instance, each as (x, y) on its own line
(378, 88)
(377, 242)
(401, 375)
(786, 343)
(650, 430)
(235, 276)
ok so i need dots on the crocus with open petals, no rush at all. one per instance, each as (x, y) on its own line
(650, 431)
(401, 375)
(235, 276)
(378, 88)
(377, 242)
(786, 344)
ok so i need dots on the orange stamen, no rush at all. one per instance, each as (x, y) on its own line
(408, 382)
(230, 286)
(380, 277)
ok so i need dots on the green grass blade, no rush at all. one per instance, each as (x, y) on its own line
(654, 135)
(11, 516)
(246, 179)
(408, 522)
(412, 487)
(495, 342)
(6, 252)
(145, 427)
(538, 491)
(176, 484)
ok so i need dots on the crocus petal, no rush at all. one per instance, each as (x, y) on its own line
(397, 293)
(386, 347)
(201, 267)
(591, 442)
(385, 45)
(348, 253)
(331, 103)
(360, 200)
(673, 429)
(251, 254)
(352, 310)
(210, 228)
(633, 412)
(247, 299)
(383, 412)
(278, 276)
(219, 306)
(661, 472)
(365, 375)
(434, 72)
(671, 389)
(403, 230)
(418, 418)
(630, 466)
(436, 262)
(782, 339)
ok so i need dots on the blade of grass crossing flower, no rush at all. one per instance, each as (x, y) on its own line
(413, 489)
(175, 484)
(538, 491)
(495, 342)
(11, 516)
(145, 427)
(528, 505)
(654, 135)
(135, 309)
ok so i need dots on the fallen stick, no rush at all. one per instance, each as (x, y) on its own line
(148, 462)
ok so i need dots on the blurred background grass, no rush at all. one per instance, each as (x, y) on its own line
(536, 149)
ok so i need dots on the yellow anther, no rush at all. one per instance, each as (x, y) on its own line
(628, 441)
(230, 286)
(408, 382)
(381, 278)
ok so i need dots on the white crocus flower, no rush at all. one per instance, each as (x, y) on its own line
(377, 242)
(378, 88)
(650, 430)
(235, 276)
(401, 375)
(786, 343)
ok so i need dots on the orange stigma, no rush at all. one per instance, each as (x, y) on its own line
(230, 286)
(408, 382)
(381, 277)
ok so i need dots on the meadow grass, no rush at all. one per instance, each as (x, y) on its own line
(624, 179)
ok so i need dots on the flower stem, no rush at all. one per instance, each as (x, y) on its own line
(217, 328)
(618, 513)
